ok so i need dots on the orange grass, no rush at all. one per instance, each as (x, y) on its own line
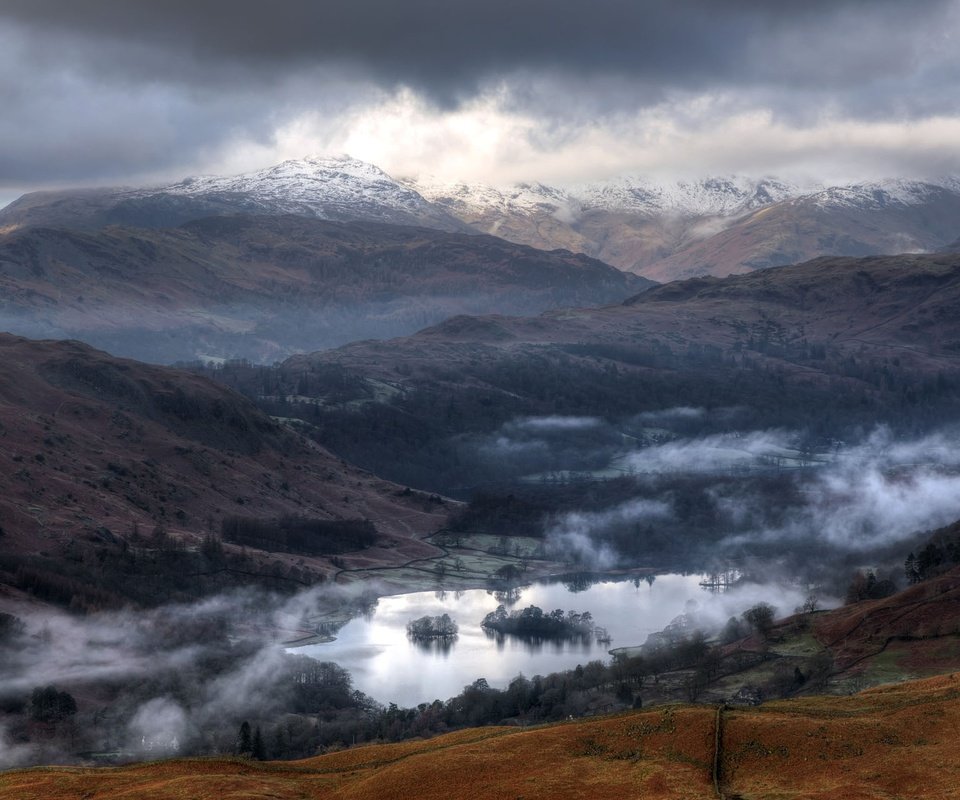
(668, 751)
(888, 742)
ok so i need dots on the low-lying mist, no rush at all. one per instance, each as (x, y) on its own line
(626, 494)
(669, 490)
(177, 678)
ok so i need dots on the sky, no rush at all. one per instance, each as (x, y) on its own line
(113, 92)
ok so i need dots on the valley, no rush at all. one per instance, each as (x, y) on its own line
(663, 463)
(479, 400)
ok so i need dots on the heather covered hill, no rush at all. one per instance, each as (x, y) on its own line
(263, 287)
(876, 744)
(106, 458)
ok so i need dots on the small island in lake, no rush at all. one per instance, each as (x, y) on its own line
(427, 628)
(533, 622)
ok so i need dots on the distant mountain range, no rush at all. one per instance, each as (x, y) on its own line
(716, 226)
(662, 230)
(262, 287)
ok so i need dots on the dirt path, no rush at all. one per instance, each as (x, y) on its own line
(718, 753)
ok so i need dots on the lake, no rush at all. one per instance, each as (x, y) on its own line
(389, 667)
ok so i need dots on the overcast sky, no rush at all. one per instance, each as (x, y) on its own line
(122, 92)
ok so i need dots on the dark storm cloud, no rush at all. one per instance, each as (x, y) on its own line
(447, 47)
(120, 91)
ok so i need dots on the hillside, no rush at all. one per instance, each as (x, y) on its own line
(894, 741)
(106, 458)
(907, 304)
(846, 221)
(264, 287)
(814, 346)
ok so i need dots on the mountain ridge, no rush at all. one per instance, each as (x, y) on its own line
(660, 229)
(262, 287)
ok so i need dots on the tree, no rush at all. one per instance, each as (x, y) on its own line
(732, 631)
(10, 626)
(810, 605)
(244, 740)
(911, 570)
(257, 750)
(441, 627)
(928, 560)
(868, 587)
(49, 705)
(760, 617)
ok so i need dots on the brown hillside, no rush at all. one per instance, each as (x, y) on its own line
(94, 447)
(895, 741)
(921, 613)
(801, 229)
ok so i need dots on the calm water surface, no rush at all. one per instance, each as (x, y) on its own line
(389, 667)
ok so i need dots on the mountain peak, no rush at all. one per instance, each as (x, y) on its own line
(335, 187)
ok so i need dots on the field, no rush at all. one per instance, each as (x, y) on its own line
(888, 742)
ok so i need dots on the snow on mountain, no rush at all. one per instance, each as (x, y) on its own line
(522, 199)
(330, 187)
(709, 197)
(344, 188)
(880, 194)
(722, 196)
(631, 194)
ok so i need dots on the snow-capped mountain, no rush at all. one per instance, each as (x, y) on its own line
(526, 213)
(721, 196)
(329, 187)
(884, 194)
(522, 198)
(665, 230)
(659, 229)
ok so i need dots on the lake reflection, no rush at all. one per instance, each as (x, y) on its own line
(389, 667)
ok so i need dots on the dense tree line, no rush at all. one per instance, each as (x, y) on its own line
(47, 704)
(940, 552)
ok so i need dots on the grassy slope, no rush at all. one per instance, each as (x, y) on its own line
(894, 741)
